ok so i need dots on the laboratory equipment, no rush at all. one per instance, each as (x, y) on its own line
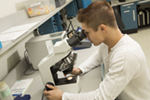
(62, 59)
(37, 8)
(41, 46)
(83, 44)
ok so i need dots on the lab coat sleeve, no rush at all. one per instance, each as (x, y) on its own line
(94, 60)
(123, 68)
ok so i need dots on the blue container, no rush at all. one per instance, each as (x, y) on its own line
(0, 45)
(25, 97)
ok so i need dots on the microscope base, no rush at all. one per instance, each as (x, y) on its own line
(72, 87)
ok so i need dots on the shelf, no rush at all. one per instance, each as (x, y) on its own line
(40, 19)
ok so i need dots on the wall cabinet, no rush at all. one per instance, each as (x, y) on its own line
(54, 24)
(71, 9)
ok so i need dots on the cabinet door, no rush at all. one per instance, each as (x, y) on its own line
(58, 22)
(48, 27)
(129, 16)
(71, 10)
(108, 0)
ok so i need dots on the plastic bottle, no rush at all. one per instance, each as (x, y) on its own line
(5, 93)
(0, 45)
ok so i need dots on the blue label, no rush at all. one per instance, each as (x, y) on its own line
(0, 45)
(79, 29)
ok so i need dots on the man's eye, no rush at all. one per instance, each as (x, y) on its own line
(86, 33)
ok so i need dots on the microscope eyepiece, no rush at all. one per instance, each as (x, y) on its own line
(76, 38)
(81, 35)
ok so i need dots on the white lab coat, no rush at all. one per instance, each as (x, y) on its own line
(127, 75)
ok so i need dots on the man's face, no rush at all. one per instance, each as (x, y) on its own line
(96, 37)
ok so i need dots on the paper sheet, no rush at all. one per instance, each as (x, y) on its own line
(11, 36)
(19, 28)
(21, 86)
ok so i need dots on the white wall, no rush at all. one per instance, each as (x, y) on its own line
(8, 7)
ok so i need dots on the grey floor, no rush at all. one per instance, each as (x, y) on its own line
(142, 37)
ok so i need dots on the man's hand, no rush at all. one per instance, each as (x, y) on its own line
(76, 71)
(54, 94)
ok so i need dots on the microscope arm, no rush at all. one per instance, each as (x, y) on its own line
(61, 46)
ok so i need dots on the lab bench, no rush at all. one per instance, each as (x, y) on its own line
(129, 13)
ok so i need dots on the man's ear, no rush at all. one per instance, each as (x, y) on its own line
(103, 27)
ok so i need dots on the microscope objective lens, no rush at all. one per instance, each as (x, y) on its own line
(70, 78)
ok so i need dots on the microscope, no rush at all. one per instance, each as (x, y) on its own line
(62, 59)
(40, 46)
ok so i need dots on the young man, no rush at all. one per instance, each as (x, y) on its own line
(126, 72)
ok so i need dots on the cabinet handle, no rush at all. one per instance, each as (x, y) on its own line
(143, 19)
(133, 15)
(148, 18)
(127, 4)
(126, 11)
